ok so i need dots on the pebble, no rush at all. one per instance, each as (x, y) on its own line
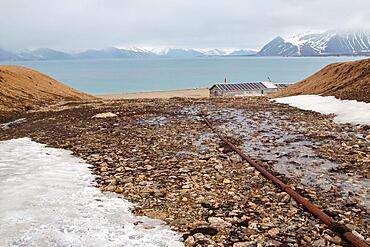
(273, 232)
(218, 223)
(242, 244)
(105, 115)
(189, 242)
(226, 181)
(319, 243)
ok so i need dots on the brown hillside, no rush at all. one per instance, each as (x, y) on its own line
(24, 89)
(348, 80)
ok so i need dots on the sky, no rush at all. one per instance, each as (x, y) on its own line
(74, 25)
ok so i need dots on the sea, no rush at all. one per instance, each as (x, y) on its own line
(105, 76)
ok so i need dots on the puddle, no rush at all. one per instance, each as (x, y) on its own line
(201, 142)
(47, 198)
(264, 138)
(157, 120)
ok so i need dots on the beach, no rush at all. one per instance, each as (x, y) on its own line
(186, 93)
(160, 156)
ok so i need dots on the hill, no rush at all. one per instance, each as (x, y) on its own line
(25, 89)
(348, 80)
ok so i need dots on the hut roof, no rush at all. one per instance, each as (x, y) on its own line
(246, 86)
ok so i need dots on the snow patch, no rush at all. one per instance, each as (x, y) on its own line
(12, 123)
(47, 199)
(297, 39)
(346, 111)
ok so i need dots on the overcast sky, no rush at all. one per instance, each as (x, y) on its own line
(73, 25)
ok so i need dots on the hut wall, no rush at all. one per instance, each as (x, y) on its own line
(214, 92)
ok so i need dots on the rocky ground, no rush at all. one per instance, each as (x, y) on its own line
(160, 155)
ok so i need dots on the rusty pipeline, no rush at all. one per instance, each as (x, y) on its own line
(312, 208)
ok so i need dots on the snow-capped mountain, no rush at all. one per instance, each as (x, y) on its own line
(113, 52)
(316, 44)
(243, 53)
(215, 52)
(177, 53)
(228, 52)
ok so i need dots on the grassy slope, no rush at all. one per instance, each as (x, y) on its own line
(348, 80)
(23, 89)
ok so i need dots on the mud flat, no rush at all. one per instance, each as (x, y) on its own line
(159, 155)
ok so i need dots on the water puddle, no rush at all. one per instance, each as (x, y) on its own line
(156, 120)
(265, 138)
(47, 198)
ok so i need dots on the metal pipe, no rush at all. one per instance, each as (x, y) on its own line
(330, 222)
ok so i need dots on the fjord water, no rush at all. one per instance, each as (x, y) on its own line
(138, 75)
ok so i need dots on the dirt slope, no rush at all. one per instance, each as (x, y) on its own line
(348, 80)
(25, 89)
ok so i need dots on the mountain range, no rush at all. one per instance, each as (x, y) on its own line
(330, 43)
(112, 52)
(319, 44)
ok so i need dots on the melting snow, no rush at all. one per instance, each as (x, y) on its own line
(346, 111)
(47, 199)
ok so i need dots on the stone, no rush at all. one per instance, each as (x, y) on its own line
(307, 239)
(218, 167)
(186, 186)
(226, 181)
(189, 242)
(250, 169)
(105, 115)
(285, 198)
(319, 243)
(273, 232)
(119, 190)
(218, 223)
(148, 167)
(241, 244)
(336, 240)
(198, 236)
(273, 243)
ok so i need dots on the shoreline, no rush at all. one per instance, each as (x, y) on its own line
(165, 94)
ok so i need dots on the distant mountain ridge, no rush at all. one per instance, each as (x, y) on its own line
(112, 52)
(330, 43)
(319, 44)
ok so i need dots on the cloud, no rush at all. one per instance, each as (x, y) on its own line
(81, 24)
